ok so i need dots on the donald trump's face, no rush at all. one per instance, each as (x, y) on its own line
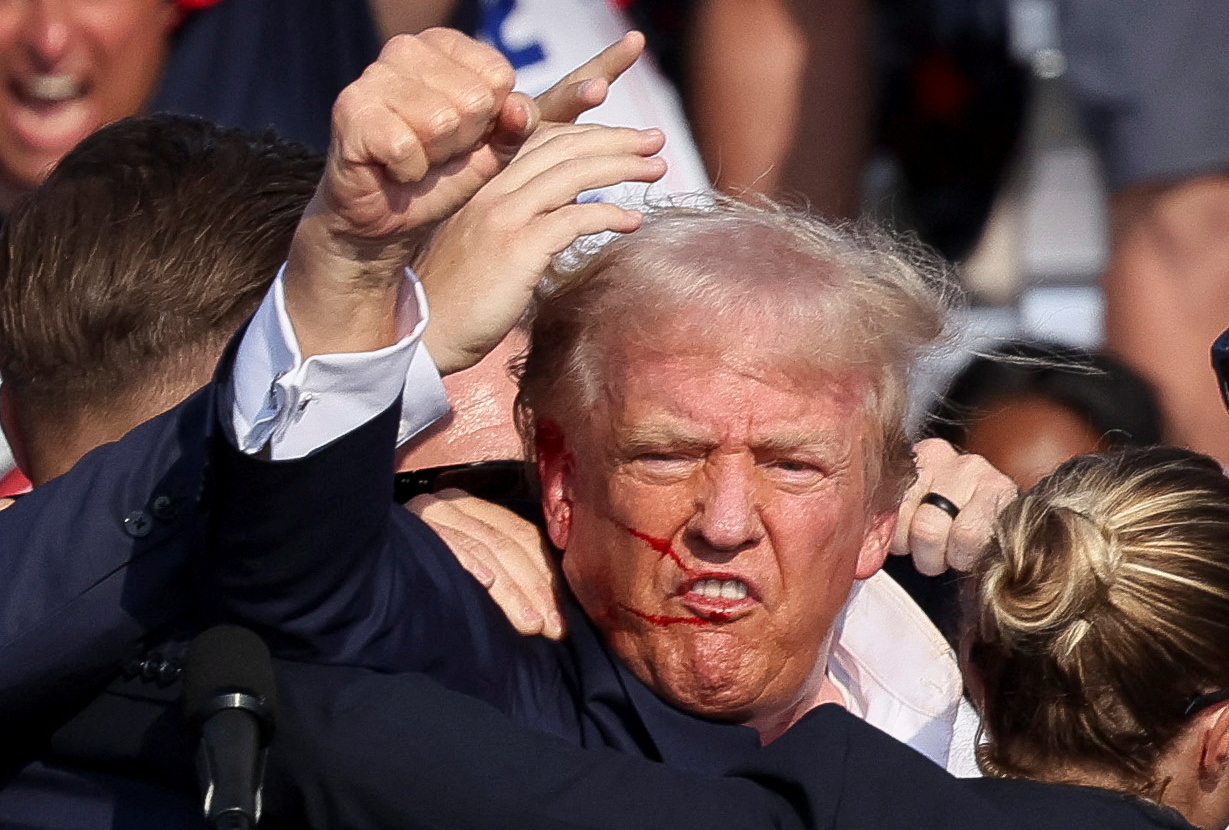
(713, 514)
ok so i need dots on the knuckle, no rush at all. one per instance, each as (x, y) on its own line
(968, 539)
(499, 73)
(927, 529)
(348, 103)
(476, 100)
(930, 449)
(502, 225)
(440, 120)
(439, 34)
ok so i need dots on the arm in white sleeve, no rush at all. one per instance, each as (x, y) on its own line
(295, 406)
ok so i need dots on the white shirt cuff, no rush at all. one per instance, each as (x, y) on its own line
(295, 406)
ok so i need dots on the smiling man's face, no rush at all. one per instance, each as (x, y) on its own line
(713, 515)
(69, 67)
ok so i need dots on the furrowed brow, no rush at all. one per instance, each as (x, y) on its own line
(829, 444)
(646, 437)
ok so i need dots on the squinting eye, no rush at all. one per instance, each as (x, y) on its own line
(659, 458)
(794, 473)
(793, 466)
(666, 463)
(787, 465)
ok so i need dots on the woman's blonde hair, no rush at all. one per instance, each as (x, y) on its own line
(1100, 611)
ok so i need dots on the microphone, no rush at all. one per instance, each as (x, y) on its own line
(230, 697)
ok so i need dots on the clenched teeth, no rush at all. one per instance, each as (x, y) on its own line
(53, 88)
(720, 588)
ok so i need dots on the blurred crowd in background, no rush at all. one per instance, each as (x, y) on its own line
(1069, 155)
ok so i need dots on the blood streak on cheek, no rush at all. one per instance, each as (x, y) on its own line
(657, 619)
(662, 546)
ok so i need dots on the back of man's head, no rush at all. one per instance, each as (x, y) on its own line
(124, 274)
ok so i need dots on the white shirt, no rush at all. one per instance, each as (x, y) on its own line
(898, 673)
(294, 406)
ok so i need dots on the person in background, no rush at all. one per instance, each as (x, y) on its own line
(1027, 407)
(780, 93)
(72, 66)
(1098, 640)
(1150, 82)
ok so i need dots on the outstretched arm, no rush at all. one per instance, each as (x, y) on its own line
(413, 138)
(297, 583)
(368, 751)
(424, 127)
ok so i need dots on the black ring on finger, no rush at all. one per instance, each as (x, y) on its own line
(942, 502)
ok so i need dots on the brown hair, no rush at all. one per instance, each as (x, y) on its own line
(841, 298)
(1101, 609)
(124, 274)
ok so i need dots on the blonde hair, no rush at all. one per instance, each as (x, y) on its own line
(1100, 610)
(839, 298)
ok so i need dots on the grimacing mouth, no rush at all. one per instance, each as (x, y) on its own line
(48, 89)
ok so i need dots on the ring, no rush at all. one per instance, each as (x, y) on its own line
(942, 502)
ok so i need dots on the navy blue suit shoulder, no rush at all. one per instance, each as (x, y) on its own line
(95, 560)
(1058, 806)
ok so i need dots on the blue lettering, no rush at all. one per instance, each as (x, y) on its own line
(494, 15)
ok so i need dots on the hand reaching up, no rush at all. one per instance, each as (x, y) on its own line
(508, 232)
(430, 122)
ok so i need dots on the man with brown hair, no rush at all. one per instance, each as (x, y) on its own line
(120, 284)
(95, 559)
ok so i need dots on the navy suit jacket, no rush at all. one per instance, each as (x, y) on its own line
(94, 565)
(439, 760)
(362, 748)
(314, 555)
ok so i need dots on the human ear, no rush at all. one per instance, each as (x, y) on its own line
(1214, 755)
(555, 472)
(880, 529)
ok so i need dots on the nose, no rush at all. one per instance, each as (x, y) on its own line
(727, 513)
(47, 30)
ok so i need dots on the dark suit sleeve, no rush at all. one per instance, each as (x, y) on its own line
(314, 555)
(843, 773)
(363, 750)
(369, 751)
(95, 560)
